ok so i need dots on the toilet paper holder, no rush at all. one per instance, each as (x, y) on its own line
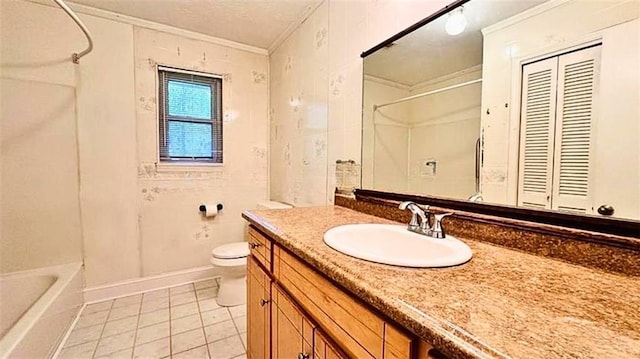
(202, 208)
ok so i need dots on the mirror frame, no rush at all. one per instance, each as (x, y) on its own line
(607, 225)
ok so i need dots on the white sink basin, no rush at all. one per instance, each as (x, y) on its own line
(395, 245)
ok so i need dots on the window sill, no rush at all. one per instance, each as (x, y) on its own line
(188, 167)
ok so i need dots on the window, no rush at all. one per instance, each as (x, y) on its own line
(190, 116)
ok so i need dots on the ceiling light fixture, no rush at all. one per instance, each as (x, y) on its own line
(456, 23)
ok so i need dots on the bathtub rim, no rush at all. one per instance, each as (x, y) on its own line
(64, 274)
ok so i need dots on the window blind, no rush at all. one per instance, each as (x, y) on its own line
(190, 116)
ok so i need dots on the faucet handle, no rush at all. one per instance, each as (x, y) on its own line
(404, 205)
(407, 204)
(437, 230)
(420, 215)
(425, 227)
(414, 215)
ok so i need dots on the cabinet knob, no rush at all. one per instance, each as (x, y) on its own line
(264, 302)
(303, 356)
(254, 245)
(606, 210)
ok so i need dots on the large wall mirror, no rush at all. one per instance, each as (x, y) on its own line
(526, 103)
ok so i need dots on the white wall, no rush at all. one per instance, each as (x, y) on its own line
(136, 220)
(617, 136)
(107, 151)
(507, 44)
(356, 26)
(353, 27)
(385, 145)
(445, 127)
(173, 235)
(298, 114)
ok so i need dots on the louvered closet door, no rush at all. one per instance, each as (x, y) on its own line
(537, 115)
(578, 74)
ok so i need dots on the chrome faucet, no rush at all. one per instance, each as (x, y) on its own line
(420, 220)
(419, 217)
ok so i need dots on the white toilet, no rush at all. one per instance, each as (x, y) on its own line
(231, 260)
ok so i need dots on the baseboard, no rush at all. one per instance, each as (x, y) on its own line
(145, 284)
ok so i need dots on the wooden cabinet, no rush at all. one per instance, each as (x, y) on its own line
(292, 332)
(260, 247)
(360, 332)
(324, 349)
(295, 312)
(258, 311)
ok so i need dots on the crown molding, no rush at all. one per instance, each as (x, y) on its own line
(126, 19)
(294, 26)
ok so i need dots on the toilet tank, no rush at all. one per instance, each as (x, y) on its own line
(273, 205)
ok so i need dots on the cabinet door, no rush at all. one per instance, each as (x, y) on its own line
(292, 331)
(578, 88)
(324, 349)
(539, 82)
(258, 311)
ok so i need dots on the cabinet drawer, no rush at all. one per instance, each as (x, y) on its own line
(357, 330)
(260, 247)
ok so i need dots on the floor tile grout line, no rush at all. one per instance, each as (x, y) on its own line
(170, 330)
(234, 322)
(104, 325)
(197, 289)
(75, 328)
(206, 344)
(135, 335)
(198, 298)
(237, 330)
(224, 338)
(65, 346)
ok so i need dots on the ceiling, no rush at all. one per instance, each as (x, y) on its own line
(258, 23)
(429, 52)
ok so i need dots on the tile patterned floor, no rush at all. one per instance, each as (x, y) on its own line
(180, 322)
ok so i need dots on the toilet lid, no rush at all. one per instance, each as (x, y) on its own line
(231, 250)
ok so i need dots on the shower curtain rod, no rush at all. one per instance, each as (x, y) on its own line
(75, 57)
(375, 107)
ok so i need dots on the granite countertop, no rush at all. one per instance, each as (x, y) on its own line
(503, 303)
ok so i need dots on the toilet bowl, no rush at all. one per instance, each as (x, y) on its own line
(231, 261)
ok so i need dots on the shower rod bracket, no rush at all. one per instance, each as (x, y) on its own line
(75, 57)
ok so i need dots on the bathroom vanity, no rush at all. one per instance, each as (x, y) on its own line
(307, 300)
(293, 310)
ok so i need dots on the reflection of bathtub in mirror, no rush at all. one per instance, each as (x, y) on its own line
(570, 145)
(36, 308)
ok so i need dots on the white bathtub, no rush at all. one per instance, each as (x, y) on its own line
(36, 308)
